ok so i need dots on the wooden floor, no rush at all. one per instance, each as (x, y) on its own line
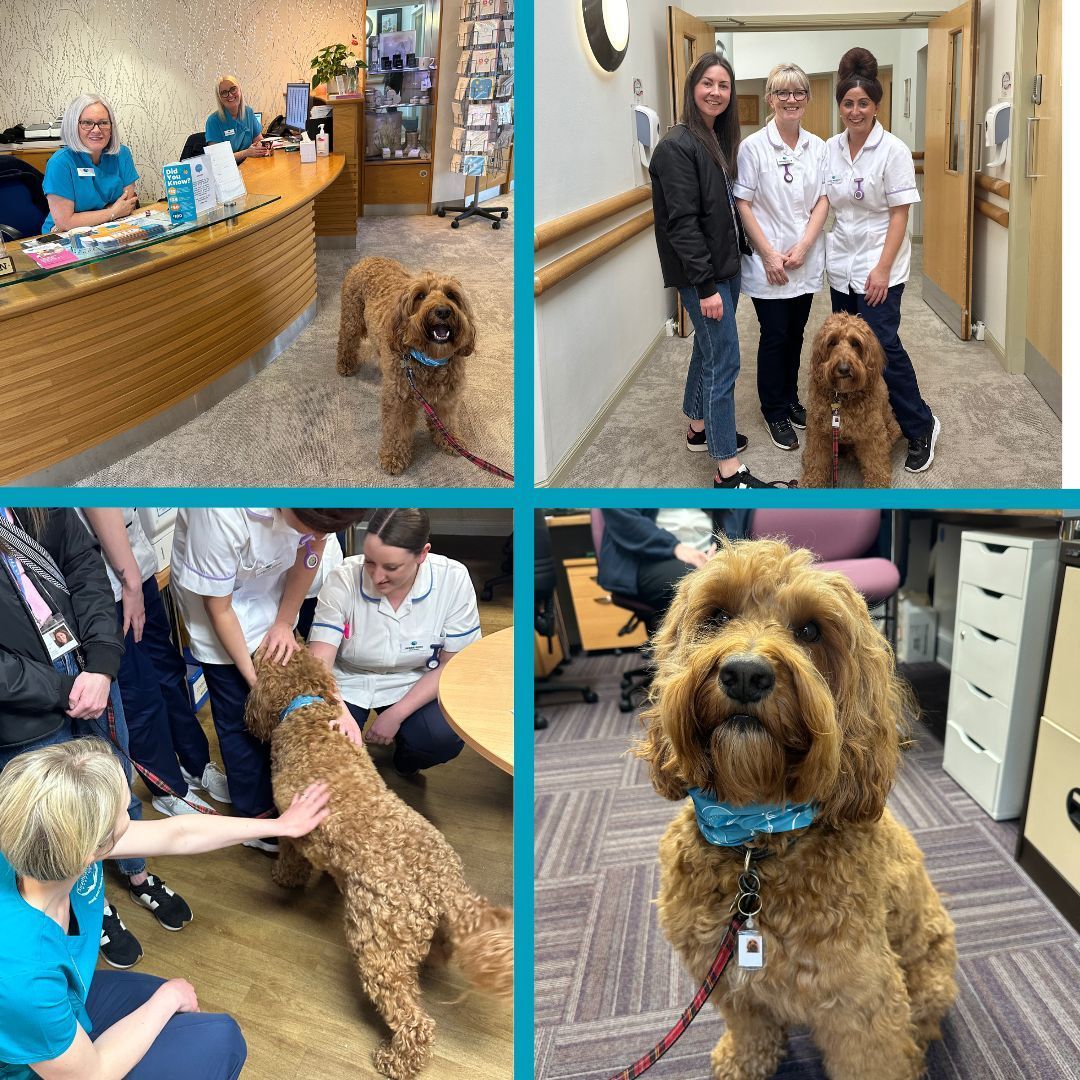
(276, 960)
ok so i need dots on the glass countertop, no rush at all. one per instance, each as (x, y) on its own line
(33, 259)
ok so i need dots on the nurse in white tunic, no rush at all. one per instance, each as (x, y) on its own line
(870, 182)
(386, 624)
(780, 194)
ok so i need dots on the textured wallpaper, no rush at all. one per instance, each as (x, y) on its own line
(156, 61)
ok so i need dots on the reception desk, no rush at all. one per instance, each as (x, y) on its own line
(100, 360)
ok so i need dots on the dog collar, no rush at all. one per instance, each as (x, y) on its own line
(733, 826)
(415, 354)
(298, 702)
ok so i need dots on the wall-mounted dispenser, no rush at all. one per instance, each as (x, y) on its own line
(998, 122)
(647, 131)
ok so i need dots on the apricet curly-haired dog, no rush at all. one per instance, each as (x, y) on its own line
(773, 687)
(846, 366)
(401, 311)
(403, 885)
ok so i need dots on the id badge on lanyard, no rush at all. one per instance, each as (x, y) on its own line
(56, 635)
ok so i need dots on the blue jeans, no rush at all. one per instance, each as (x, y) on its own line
(161, 725)
(206, 1046)
(423, 740)
(912, 413)
(714, 365)
(246, 759)
(781, 324)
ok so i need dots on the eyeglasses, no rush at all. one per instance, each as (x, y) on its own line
(231, 92)
(88, 125)
(783, 95)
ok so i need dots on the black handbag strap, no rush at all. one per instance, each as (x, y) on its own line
(24, 547)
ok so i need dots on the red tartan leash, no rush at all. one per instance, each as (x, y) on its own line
(455, 443)
(727, 947)
(836, 443)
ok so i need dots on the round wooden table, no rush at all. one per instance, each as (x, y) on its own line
(476, 694)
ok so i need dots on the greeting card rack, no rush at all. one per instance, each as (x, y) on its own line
(483, 103)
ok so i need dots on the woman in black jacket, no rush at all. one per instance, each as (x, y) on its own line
(701, 242)
(60, 650)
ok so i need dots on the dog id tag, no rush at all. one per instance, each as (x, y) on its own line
(751, 946)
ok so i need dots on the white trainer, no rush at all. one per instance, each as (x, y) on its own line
(213, 781)
(171, 805)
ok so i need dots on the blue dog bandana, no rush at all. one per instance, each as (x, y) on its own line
(415, 354)
(730, 826)
(297, 703)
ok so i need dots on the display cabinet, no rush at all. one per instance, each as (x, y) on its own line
(400, 102)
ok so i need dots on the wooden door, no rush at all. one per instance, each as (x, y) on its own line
(949, 179)
(1042, 345)
(688, 39)
(820, 108)
(885, 108)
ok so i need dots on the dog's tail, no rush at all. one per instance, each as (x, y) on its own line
(479, 938)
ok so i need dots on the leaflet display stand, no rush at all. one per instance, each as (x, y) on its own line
(483, 105)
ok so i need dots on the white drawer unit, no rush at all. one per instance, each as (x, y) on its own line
(1004, 591)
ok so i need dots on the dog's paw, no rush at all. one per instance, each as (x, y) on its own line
(394, 464)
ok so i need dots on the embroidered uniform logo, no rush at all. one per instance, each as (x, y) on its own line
(90, 884)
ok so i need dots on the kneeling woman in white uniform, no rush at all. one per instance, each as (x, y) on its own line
(386, 624)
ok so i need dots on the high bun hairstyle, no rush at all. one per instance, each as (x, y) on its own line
(858, 68)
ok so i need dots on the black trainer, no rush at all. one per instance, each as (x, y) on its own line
(797, 415)
(921, 451)
(695, 440)
(744, 478)
(169, 908)
(120, 948)
(782, 434)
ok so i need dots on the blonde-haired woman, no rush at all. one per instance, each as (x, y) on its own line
(91, 179)
(235, 122)
(780, 193)
(63, 809)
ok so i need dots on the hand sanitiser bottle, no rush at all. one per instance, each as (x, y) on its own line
(322, 142)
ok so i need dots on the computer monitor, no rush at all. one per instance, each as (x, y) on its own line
(296, 105)
(258, 120)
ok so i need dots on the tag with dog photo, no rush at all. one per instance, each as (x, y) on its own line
(751, 948)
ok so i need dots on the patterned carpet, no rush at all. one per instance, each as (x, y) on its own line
(299, 423)
(608, 985)
(985, 414)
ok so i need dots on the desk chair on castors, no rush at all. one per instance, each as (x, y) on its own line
(507, 568)
(547, 620)
(636, 680)
(23, 206)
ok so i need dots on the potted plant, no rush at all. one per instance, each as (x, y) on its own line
(336, 62)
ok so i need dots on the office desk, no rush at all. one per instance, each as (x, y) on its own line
(110, 356)
(476, 695)
(33, 153)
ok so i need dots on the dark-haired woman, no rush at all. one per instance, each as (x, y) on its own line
(387, 623)
(870, 182)
(701, 242)
(239, 577)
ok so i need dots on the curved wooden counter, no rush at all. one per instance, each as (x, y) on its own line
(116, 352)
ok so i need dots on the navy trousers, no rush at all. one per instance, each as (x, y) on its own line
(423, 740)
(161, 725)
(912, 413)
(781, 324)
(208, 1046)
(246, 759)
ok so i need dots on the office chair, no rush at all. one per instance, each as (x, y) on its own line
(507, 568)
(22, 199)
(195, 145)
(847, 541)
(636, 679)
(547, 620)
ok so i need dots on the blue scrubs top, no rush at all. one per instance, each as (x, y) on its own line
(44, 973)
(72, 175)
(239, 133)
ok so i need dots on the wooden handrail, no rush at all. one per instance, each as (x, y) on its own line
(992, 183)
(580, 257)
(560, 227)
(918, 155)
(994, 213)
(918, 170)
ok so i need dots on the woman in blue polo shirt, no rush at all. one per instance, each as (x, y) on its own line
(63, 809)
(234, 122)
(91, 179)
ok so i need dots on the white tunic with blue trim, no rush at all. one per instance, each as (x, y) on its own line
(386, 651)
(884, 173)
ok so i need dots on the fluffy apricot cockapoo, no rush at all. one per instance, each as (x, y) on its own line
(424, 319)
(403, 885)
(774, 690)
(846, 367)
